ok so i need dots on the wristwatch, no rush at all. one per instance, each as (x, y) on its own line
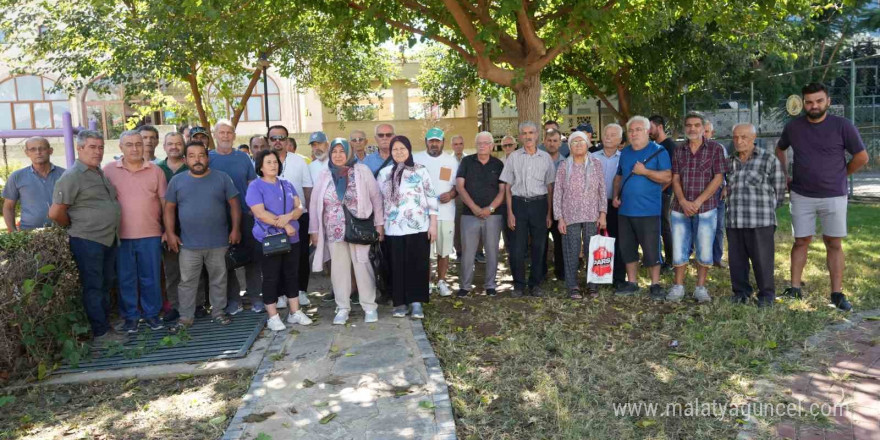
(491, 210)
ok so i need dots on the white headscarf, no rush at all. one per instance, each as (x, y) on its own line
(570, 161)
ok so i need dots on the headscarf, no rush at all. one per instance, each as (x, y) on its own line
(340, 173)
(570, 161)
(397, 170)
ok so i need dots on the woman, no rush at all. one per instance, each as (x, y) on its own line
(276, 207)
(351, 185)
(410, 227)
(579, 205)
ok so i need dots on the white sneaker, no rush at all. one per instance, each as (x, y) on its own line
(341, 317)
(282, 302)
(274, 323)
(371, 316)
(298, 318)
(701, 294)
(304, 299)
(676, 293)
(443, 288)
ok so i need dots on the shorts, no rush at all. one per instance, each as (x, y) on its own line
(698, 231)
(442, 247)
(831, 212)
(639, 231)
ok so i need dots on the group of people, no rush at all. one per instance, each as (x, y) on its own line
(186, 214)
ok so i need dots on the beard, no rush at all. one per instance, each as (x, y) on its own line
(816, 113)
(198, 169)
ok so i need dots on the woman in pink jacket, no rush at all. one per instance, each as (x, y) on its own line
(352, 185)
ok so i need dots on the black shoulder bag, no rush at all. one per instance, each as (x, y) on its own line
(653, 155)
(277, 244)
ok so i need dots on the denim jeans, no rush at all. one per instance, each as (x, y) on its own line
(138, 266)
(97, 269)
(697, 230)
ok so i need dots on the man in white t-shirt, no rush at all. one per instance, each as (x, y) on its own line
(442, 168)
(320, 147)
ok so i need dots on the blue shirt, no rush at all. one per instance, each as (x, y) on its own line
(641, 196)
(201, 208)
(374, 161)
(34, 193)
(239, 167)
(609, 166)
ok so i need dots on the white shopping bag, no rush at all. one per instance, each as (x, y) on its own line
(600, 264)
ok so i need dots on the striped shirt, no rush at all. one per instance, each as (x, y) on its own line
(528, 174)
(754, 190)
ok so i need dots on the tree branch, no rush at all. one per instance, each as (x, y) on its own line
(579, 74)
(533, 42)
(242, 104)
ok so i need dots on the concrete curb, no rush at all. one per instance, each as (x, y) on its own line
(236, 427)
(444, 421)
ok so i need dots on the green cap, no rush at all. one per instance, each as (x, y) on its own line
(434, 133)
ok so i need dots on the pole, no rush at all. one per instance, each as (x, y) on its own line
(752, 102)
(852, 103)
(599, 107)
(266, 95)
(67, 127)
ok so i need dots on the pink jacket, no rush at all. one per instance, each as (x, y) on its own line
(369, 201)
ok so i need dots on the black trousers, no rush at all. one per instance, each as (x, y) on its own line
(614, 231)
(755, 246)
(304, 269)
(666, 228)
(409, 257)
(558, 258)
(531, 222)
(280, 275)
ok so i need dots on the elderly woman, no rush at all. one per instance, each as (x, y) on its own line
(579, 206)
(276, 207)
(410, 227)
(345, 185)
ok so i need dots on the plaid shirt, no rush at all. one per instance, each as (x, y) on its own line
(697, 170)
(754, 190)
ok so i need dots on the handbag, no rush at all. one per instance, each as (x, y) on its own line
(276, 244)
(359, 230)
(238, 256)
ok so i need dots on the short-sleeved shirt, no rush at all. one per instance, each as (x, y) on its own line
(641, 196)
(374, 161)
(528, 174)
(201, 208)
(140, 195)
(819, 166)
(481, 181)
(443, 170)
(609, 167)
(296, 171)
(670, 147)
(270, 195)
(238, 166)
(696, 171)
(34, 194)
(317, 167)
(92, 207)
(163, 164)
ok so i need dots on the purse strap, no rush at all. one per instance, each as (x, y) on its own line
(284, 209)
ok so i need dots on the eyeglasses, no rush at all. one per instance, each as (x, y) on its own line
(508, 145)
(384, 135)
(357, 139)
(277, 138)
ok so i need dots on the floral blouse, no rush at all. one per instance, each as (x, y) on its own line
(577, 200)
(333, 215)
(418, 201)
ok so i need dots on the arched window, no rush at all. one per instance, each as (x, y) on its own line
(255, 108)
(27, 103)
(108, 110)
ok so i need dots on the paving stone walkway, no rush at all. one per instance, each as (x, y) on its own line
(360, 381)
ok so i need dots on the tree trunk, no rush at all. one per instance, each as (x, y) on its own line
(255, 77)
(528, 99)
(200, 106)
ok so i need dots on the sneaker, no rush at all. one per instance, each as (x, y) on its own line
(109, 337)
(517, 293)
(258, 307)
(154, 323)
(461, 293)
(274, 323)
(355, 299)
(676, 293)
(399, 312)
(181, 324)
(223, 319)
(491, 292)
(793, 292)
(171, 316)
(536, 292)
(130, 326)
(701, 294)
(371, 316)
(304, 299)
(201, 312)
(298, 317)
(656, 292)
(443, 288)
(341, 317)
(282, 302)
(480, 257)
(839, 300)
(233, 309)
(417, 312)
(627, 289)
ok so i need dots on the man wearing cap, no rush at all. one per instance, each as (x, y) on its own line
(239, 167)
(658, 135)
(320, 152)
(382, 158)
(442, 168)
(552, 143)
(32, 187)
(199, 134)
(564, 151)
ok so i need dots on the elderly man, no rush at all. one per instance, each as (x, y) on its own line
(529, 174)
(818, 186)
(552, 142)
(709, 130)
(320, 152)
(150, 136)
(32, 187)
(718, 246)
(358, 140)
(457, 147)
(609, 156)
(482, 192)
(508, 145)
(239, 168)
(564, 150)
(442, 169)
(643, 172)
(85, 200)
(140, 188)
(755, 188)
(381, 158)
(698, 168)
(658, 135)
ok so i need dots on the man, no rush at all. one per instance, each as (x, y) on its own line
(698, 168)
(358, 140)
(508, 145)
(644, 171)
(718, 246)
(150, 136)
(552, 142)
(85, 200)
(658, 135)
(458, 154)
(381, 158)
(442, 168)
(482, 192)
(246, 149)
(563, 147)
(457, 147)
(239, 168)
(199, 134)
(140, 188)
(818, 184)
(257, 143)
(609, 156)
(200, 198)
(529, 174)
(709, 130)
(295, 170)
(32, 187)
(755, 188)
(320, 152)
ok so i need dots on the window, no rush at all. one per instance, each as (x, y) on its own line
(27, 103)
(107, 109)
(255, 106)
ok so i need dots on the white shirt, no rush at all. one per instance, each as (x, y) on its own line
(296, 171)
(442, 170)
(317, 166)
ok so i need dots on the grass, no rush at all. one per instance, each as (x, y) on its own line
(186, 407)
(555, 368)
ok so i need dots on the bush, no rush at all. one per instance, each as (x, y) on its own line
(41, 313)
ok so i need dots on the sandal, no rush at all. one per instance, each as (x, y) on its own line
(223, 319)
(575, 294)
(593, 291)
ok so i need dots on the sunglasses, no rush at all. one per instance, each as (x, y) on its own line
(277, 138)
(357, 139)
(384, 135)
